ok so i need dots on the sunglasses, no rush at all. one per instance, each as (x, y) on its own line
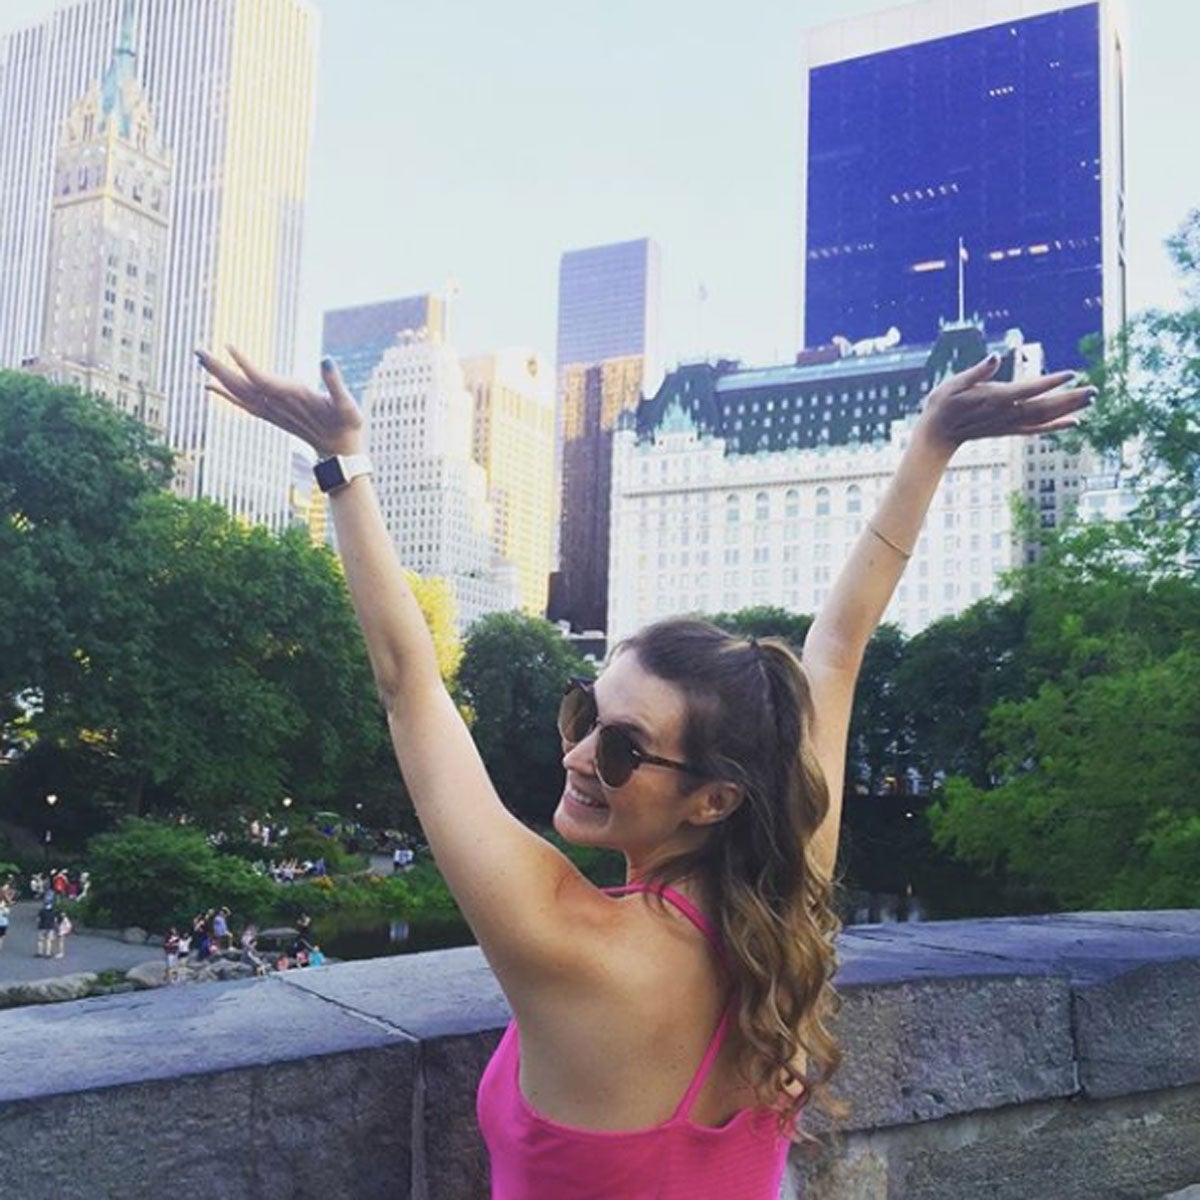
(617, 755)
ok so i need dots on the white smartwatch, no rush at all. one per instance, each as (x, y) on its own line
(336, 472)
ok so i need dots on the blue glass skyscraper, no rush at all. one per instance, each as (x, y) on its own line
(607, 302)
(358, 337)
(938, 126)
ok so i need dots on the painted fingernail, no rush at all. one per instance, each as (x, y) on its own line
(327, 363)
(199, 356)
(1090, 398)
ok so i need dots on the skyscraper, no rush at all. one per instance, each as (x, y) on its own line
(965, 157)
(513, 441)
(102, 322)
(358, 337)
(432, 493)
(231, 85)
(608, 299)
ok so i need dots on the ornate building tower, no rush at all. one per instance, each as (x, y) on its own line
(108, 239)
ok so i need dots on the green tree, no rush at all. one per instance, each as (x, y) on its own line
(511, 680)
(950, 676)
(1098, 804)
(1148, 414)
(155, 874)
(156, 654)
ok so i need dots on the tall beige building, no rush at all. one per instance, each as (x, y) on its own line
(102, 327)
(231, 84)
(433, 494)
(513, 441)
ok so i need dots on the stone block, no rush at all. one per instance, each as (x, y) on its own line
(47, 991)
(442, 993)
(928, 1049)
(1141, 1030)
(336, 1127)
(1131, 1148)
(455, 1161)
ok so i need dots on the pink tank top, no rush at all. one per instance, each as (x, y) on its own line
(535, 1158)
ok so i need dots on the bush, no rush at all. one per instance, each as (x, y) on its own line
(154, 874)
(308, 842)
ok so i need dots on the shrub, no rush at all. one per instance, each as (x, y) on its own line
(155, 874)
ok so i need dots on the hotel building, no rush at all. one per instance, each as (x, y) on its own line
(735, 487)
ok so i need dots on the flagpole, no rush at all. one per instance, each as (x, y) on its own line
(962, 255)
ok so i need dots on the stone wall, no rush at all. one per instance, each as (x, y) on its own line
(1024, 1057)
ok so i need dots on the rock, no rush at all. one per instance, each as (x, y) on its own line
(134, 935)
(148, 974)
(48, 991)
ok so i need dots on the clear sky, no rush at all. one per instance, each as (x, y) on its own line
(478, 140)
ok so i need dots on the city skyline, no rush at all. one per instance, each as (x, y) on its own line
(529, 140)
(231, 92)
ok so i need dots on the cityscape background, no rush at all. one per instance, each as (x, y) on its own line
(480, 141)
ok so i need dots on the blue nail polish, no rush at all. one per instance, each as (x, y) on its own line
(327, 364)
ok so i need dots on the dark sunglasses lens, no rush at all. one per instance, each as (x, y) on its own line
(615, 761)
(576, 715)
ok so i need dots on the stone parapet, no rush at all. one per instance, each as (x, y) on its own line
(1020, 1057)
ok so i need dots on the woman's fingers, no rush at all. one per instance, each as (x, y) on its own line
(271, 384)
(1029, 389)
(336, 386)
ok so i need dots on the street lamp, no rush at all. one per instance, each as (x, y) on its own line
(51, 801)
(287, 802)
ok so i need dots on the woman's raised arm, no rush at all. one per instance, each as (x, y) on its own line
(505, 877)
(965, 407)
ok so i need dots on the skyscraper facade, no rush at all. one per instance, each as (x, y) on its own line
(432, 492)
(231, 85)
(970, 157)
(512, 439)
(608, 302)
(102, 321)
(358, 337)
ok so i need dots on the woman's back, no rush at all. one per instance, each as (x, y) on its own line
(637, 1091)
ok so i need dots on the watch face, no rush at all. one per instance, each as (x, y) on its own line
(329, 474)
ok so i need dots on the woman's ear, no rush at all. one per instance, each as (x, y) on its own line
(716, 802)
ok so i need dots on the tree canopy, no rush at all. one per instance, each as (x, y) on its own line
(156, 654)
(511, 679)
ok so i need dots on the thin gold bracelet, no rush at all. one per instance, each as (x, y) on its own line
(905, 554)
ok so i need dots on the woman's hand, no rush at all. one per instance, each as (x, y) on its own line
(330, 422)
(971, 405)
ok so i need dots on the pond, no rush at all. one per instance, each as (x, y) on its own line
(380, 935)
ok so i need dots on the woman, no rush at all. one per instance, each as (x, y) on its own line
(664, 1037)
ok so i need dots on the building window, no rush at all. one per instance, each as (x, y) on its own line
(822, 502)
(854, 498)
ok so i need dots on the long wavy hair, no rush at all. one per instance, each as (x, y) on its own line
(749, 713)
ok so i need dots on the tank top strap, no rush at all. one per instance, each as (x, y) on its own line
(677, 899)
(703, 924)
(706, 1064)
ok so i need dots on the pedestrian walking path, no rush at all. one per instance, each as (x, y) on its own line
(84, 951)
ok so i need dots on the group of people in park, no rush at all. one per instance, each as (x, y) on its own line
(53, 928)
(65, 884)
(210, 937)
(54, 890)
